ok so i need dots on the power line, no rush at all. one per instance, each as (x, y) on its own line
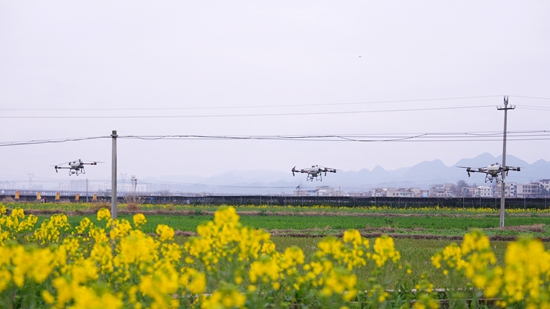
(531, 135)
(528, 97)
(251, 106)
(246, 115)
(387, 137)
(540, 108)
(50, 141)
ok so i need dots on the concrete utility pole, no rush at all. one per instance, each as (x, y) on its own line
(503, 173)
(113, 178)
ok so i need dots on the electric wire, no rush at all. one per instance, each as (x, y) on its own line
(540, 108)
(530, 135)
(529, 97)
(251, 106)
(243, 115)
(51, 141)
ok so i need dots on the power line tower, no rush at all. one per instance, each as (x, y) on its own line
(505, 108)
(123, 176)
(30, 175)
(134, 185)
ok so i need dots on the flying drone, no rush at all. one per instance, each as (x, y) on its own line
(74, 167)
(490, 171)
(314, 171)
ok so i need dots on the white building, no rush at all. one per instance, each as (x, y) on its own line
(528, 190)
(510, 190)
(484, 191)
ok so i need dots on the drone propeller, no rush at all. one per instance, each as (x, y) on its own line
(293, 171)
(468, 169)
(328, 170)
(90, 162)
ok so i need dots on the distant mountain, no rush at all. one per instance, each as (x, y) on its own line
(422, 175)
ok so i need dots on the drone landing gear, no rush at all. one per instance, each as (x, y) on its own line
(317, 178)
(490, 178)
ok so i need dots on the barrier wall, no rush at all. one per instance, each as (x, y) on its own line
(280, 200)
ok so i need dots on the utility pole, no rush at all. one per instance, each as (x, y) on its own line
(503, 173)
(113, 178)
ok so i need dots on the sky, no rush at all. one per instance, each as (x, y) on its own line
(81, 69)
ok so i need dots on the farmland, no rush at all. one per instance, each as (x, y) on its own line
(271, 256)
(318, 221)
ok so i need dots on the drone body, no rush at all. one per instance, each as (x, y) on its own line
(75, 167)
(491, 171)
(314, 172)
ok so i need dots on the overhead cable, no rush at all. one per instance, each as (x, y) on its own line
(242, 115)
(251, 106)
(530, 135)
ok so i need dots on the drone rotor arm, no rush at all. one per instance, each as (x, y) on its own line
(62, 167)
(468, 169)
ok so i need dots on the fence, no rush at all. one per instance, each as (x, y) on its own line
(335, 201)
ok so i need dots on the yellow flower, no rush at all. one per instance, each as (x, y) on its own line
(48, 298)
(385, 250)
(103, 214)
(165, 232)
(139, 220)
(18, 213)
(226, 296)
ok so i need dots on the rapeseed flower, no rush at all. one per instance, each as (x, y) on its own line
(227, 296)
(139, 220)
(384, 249)
(165, 232)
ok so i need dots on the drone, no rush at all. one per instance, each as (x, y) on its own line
(75, 167)
(314, 171)
(491, 171)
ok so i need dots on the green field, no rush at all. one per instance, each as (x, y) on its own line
(321, 220)
(319, 225)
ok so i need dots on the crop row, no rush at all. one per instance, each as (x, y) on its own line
(267, 209)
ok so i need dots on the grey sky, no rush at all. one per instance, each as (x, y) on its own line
(238, 56)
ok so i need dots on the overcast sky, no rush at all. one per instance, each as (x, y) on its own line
(256, 68)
